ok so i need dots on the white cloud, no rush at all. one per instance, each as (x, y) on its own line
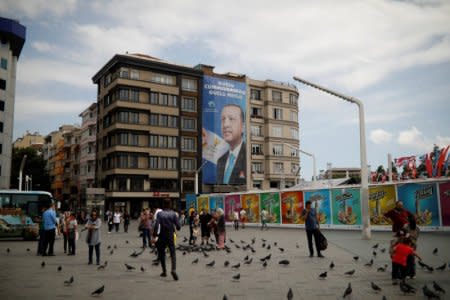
(42, 46)
(35, 8)
(413, 138)
(380, 136)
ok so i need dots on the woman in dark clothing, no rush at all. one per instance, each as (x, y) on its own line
(126, 220)
(205, 217)
(191, 227)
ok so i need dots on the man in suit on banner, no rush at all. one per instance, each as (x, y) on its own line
(231, 167)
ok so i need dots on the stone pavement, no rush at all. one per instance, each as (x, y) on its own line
(22, 277)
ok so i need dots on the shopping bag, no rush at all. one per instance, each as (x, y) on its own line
(323, 243)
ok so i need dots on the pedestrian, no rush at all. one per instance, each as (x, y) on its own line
(399, 216)
(264, 218)
(212, 226)
(195, 229)
(312, 228)
(126, 220)
(221, 230)
(109, 219)
(205, 217)
(116, 219)
(182, 218)
(401, 251)
(50, 224)
(191, 226)
(243, 215)
(40, 249)
(146, 227)
(236, 220)
(164, 233)
(63, 228)
(72, 231)
(93, 240)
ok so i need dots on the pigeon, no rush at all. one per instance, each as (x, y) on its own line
(429, 293)
(281, 249)
(242, 242)
(442, 268)
(126, 242)
(184, 252)
(59, 269)
(384, 298)
(237, 246)
(375, 246)
(129, 268)
(195, 261)
(248, 261)
(429, 269)
(237, 276)
(226, 263)
(28, 250)
(205, 254)
(155, 262)
(115, 246)
(323, 275)
(350, 273)
(356, 257)
(263, 246)
(211, 264)
(406, 288)
(284, 262)
(253, 240)
(111, 252)
(69, 282)
(290, 294)
(435, 251)
(225, 297)
(109, 247)
(375, 287)
(185, 239)
(374, 253)
(268, 247)
(383, 250)
(253, 250)
(98, 291)
(245, 258)
(142, 269)
(438, 288)
(231, 241)
(43, 264)
(331, 265)
(8, 250)
(381, 269)
(348, 290)
(236, 266)
(297, 246)
(265, 264)
(263, 240)
(369, 264)
(275, 244)
(268, 257)
(228, 250)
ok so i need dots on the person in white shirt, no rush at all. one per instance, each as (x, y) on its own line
(116, 219)
(243, 217)
(264, 216)
(236, 220)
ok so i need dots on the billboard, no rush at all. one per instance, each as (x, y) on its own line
(421, 200)
(271, 203)
(346, 206)
(191, 203)
(232, 204)
(320, 200)
(203, 203)
(292, 207)
(250, 202)
(381, 200)
(224, 144)
(444, 191)
(215, 202)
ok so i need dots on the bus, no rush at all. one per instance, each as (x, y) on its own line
(20, 212)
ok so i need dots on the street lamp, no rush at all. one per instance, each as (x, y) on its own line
(366, 234)
(196, 177)
(308, 154)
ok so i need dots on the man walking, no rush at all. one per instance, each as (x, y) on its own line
(50, 222)
(312, 228)
(264, 219)
(166, 223)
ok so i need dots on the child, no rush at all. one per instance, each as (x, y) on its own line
(195, 230)
(400, 253)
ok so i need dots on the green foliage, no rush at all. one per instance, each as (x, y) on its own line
(34, 167)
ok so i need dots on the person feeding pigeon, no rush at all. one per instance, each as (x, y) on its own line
(399, 257)
(312, 228)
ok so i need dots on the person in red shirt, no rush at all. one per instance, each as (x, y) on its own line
(399, 257)
(399, 216)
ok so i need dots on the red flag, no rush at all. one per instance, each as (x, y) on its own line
(441, 160)
(429, 166)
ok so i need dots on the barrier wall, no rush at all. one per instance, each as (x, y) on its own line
(338, 207)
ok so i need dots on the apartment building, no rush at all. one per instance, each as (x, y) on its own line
(71, 166)
(12, 39)
(30, 140)
(148, 132)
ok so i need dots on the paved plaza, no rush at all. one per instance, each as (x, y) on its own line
(22, 277)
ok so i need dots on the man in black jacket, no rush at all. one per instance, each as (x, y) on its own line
(166, 223)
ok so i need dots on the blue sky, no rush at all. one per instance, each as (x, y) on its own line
(393, 55)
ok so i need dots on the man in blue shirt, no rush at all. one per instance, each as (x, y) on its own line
(312, 228)
(50, 222)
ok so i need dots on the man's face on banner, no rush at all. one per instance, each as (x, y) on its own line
(232, 125)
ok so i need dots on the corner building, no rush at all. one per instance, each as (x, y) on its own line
(148, 131)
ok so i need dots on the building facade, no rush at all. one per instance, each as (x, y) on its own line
(148, 135)
(12, 39)
(71, 163)
(30, 140)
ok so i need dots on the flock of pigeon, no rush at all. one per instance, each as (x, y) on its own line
(249, 249)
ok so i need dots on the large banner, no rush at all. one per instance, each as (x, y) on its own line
(215, 202)
(223, 134)
(346, 206)
(191, 203)
(232, 204)
(203, 203)
(420, 199)
(320, 200)
(250, 202)
(292, 207)
(271, 203)
(381, 200)
(444, 191)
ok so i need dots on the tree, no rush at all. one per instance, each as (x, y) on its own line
(34, 167)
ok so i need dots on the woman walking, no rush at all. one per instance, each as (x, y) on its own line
(117, 218)
(72, 228)
(221, 229)
(93, 236)
(126, 220)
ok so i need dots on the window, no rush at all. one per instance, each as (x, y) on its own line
(2, 84)
(171, 163)
(134, 74)
(257, 149)
(134, 95)
(188, 144)
(173, 121)
(162, 141)
(153, 162)
(4, 63)
(123, 138)
(257, 168)
(189, 84)
(134, 160)
(277, 131)
(123, 94)
(124, 73)
(293, 99)
(163, 162)
(134, 139)
(172, 142)
(294, 116)
(276, 96)
(277, 150)
(163, 120)
(153, 141)
(278, 114)
(108, 79)
(162, 79)
(154, 119)
(278, 167)
(188, 186)
(188, 104)
(122, 160)
(294, 168)
(294, 153)
(2, 105)
(163, 99)
(256, 131)
(134, 117)
(187, 164)
(173, 100)
(255, 94)
(154, 98)
(294, 133)
(188, 124)
(256, 112)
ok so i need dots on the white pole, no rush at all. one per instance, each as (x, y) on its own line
(390, 167)
(196, 177)
(22, 164)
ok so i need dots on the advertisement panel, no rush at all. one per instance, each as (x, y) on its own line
(203, 203)
(292, 207)
(346, 206)
(320, 200)
(271, 203)
(232, 204)
(381, 200)
(223, 133)
(444, 193)
(421, 200)
(250, 202)
(191, 203)
(215, 202)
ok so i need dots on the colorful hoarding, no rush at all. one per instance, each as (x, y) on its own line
(346, 206)
(250, 202)
(215, 202)
(292, 207)
(232, 204)
(381, 200)
(444, 192)
(203, 203)
(224, 144)
(271, 203)
(420, 199)
(191, 203)
(320, 200)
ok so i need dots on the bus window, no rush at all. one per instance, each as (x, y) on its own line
(21, 201)
(33, 210)
(5, 201)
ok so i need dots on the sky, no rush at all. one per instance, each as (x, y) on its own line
(392, 55)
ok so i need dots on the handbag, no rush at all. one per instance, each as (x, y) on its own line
(323, 243)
